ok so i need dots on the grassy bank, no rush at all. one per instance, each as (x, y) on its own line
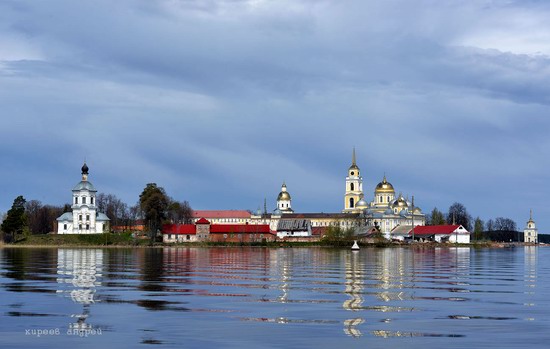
(127, 240)
(107, 239)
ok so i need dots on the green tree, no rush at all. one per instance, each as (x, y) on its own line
(16, 219)
(153, 203)
(478, 228)
(436, 217)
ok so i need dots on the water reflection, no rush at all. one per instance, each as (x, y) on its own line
(354, 289)
(530, 276)
(207, 297)
(79, 275)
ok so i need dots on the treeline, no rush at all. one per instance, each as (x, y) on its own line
(154, 208)
(498, 229)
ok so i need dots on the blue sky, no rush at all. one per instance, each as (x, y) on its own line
(220, 101)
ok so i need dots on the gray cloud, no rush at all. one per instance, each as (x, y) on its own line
(220, 101)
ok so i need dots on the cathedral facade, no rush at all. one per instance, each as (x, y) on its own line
(386, 211)
(84, 218)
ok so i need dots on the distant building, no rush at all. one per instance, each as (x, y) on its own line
(440, 233)
(530, 233)
(223, 216)
(293, 228)
(84, 218)
(284, 201)
(204, 230)
(385, 211)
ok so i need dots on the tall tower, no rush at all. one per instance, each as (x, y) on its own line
(354, 186)
(284, 200)
(530, 233)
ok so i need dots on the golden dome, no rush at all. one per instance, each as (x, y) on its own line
(384, 187)
(283, 195)
(400, 202)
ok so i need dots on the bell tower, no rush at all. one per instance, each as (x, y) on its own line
(354, 186)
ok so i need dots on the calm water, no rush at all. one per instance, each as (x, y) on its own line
(275, 298)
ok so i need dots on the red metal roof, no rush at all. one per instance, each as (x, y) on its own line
(202, 221)
(434, 229)
(178, 229)
(240, 228)
(221, 214)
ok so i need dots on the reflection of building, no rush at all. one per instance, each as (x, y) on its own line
(79, 274)
(530, 275)
(530, 233)
(354, 290)
(84, 218)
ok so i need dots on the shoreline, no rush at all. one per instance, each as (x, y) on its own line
(272, 245)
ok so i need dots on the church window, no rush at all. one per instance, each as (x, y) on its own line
(87, 217)
(351, 202)
(76, 200)
(87, 227)
(65, 226)
(188, 237)
(80, 226)
(352, 173)
(92, 200)
(79, 217)
(351, 187)
(83, 199)
(388, 199)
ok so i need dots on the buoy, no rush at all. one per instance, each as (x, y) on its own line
(355, 246)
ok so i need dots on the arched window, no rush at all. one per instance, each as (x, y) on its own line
(76, 200)
(351, 187)
(351, 202)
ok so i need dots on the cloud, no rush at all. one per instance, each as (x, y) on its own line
(220, 101)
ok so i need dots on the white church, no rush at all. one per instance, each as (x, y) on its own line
(84, 218)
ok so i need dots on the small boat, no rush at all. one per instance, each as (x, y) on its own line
(355, 247)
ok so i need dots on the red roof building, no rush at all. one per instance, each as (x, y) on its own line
(204, 230)
(441, 233)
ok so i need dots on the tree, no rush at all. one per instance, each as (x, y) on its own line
(180, 212)
(16, 219)
(490, 225)
(113, 207)
(153, 203)
(40, 218)
(459, 215)
(436, 217)
(478, 229)
(504, 224)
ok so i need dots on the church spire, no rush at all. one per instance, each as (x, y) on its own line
(353, 162)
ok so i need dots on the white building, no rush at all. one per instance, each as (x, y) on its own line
(530, 233)
(84, 218)
(386, 211)
(284, 201)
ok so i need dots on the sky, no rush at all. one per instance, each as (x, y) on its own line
(219, 102)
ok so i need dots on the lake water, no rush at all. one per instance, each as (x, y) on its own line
(275, 298)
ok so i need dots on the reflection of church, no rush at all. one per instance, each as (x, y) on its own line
(79, 274)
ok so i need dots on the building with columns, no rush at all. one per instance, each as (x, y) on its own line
(84, 218)
(530, 233)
